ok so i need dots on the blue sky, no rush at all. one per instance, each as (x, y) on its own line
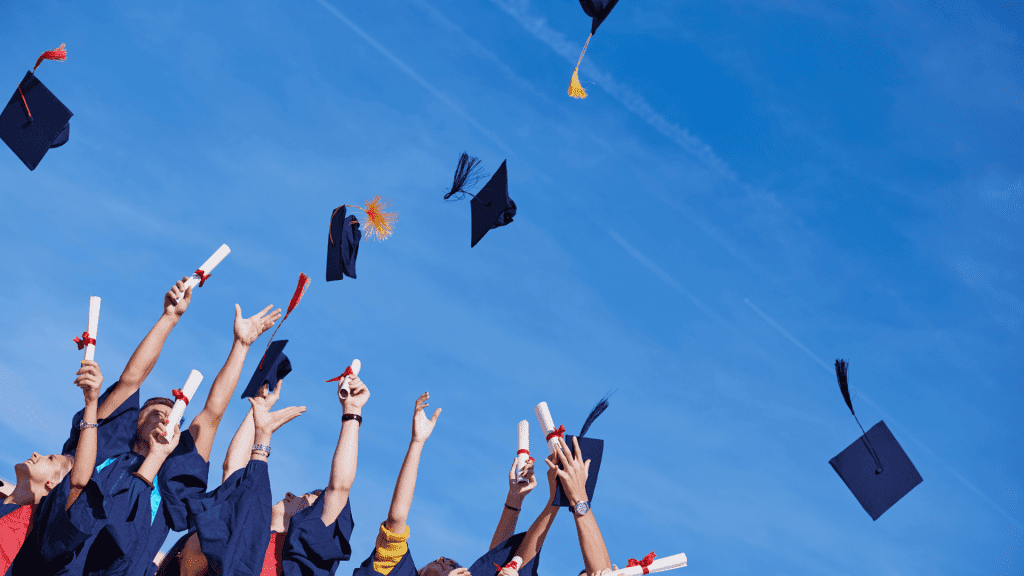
(752, 190)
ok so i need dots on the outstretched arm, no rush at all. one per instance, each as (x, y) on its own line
(538, 531)
(144, 359)
(346, 454)
(574, 479)
(247, 330)
(89, 380)
(401, 501)
(513, 502)
(238, 451)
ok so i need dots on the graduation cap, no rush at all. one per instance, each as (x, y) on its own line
(598, 10)
(592, 449)
(491, 207)
(34, 120)
(875, 467)
(273, 367)
(342, 245)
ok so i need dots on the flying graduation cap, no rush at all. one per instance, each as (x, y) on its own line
(491, 207)
(875, 467)
(344, 235)
(598, 10)
(273, 367)
(592, 449)
(266, 360)
(34, 120)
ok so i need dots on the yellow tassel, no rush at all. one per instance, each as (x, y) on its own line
(575, 88)
(381, 223)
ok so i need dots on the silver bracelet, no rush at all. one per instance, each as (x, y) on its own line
(82, 425)
(263, 447)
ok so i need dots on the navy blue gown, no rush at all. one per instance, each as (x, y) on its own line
(502, 554)
(312, 549)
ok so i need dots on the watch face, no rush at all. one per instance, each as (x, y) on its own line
(582, 508)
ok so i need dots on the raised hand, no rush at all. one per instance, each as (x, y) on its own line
(519, 491)
(421, 426)
(574, 471)
(90, 379)
(172, 305)
(508, 572)
(552, 462)
(247, 330)
(268, 422)
(163, 446)
(358, 394)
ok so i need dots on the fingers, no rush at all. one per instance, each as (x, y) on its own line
(586, 469)
(264, 311)
(421, 402)
(551, 461)
(188, 294)
(512, 471)
(252, 401)
(561, 453)
(277, 390)
(286, 415)
(576, 445)
(436, 414)
(264, 390)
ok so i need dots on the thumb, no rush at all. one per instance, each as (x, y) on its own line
(436, 414)
(238, 312)
(252, 401)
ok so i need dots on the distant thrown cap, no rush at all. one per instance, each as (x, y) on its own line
(492, 207)
(342, 245)
(275, 366)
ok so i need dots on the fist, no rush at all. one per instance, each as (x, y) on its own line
(90, 379)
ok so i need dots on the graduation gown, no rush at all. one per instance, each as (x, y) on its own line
(138, 517)
(405, 567)
(312, 549)
(58, 535)
(502, 554)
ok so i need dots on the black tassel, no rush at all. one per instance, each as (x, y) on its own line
(601, 407)
(844, 387)
(467, 174)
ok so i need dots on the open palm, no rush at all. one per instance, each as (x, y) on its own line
(247, 330)
(421, 426)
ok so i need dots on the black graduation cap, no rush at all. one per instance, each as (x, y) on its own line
(592, 450)
(273, 367)
(491, 207)
(342, 245)
(598, 10)
(875, 467)
(34, 120)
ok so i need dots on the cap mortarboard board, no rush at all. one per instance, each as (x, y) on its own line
(492, 207)
(34, 120)
(342, 245)
(592, 450)
(598, 10)
(875, 467)
(273, 367)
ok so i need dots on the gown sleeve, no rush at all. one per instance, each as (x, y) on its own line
(312, 549)
(501, 555)
(233, 521)
(115, 432)
(183, 475)
(57, 531)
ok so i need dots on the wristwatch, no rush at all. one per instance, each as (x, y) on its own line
(581, 508)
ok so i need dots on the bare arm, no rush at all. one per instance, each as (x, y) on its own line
(346, 455)
(401, 501)
(144, 359)
(574, 480)
(513, 501)
(595, 554)
(240, 447)
(246, 331)
(534, 539)
(90, 379)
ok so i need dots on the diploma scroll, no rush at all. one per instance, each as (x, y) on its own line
(522, 450)
(547, 426)
(207, 267)
(658, 565)
(94, 322)
(346, 381)
(182, 398)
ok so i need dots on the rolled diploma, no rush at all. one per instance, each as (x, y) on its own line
(207, 266)
(518, 561)
(189, 390)
(523, 443)
(94, 322)
(658, 565)
(356, 366)
(547, 425)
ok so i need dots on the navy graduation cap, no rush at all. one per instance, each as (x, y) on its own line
(273, 367)
(875, 467)
(342, 245)
(34, 120)
(491, 207)
(598, 10)
(592, 449)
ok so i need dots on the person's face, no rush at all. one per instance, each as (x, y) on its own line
(150, 417)
(440, 567)
(292, 504)
(41, 469)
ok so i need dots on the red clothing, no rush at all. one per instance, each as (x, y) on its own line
(14, 529)
(275, 552)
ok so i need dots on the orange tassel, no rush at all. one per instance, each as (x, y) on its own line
(575, 88)
(381, 223)
(56, 54)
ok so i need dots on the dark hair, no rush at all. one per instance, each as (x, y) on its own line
(158, 400)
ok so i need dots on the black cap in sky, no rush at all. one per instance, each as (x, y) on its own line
(492, 206)
(598, 10)
(342, 245)
(272, 367)
(34, 120)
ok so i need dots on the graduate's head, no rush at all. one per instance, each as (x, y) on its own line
(153, 412)
(441, 567)
(291, 505)
(42, 473)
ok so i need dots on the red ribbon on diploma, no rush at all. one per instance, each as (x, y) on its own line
(348, 372)
(84, 341)
(560, 432)
(511, 564)
(202, 277)
(179, 395)
(523, 451)
(642, 563)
